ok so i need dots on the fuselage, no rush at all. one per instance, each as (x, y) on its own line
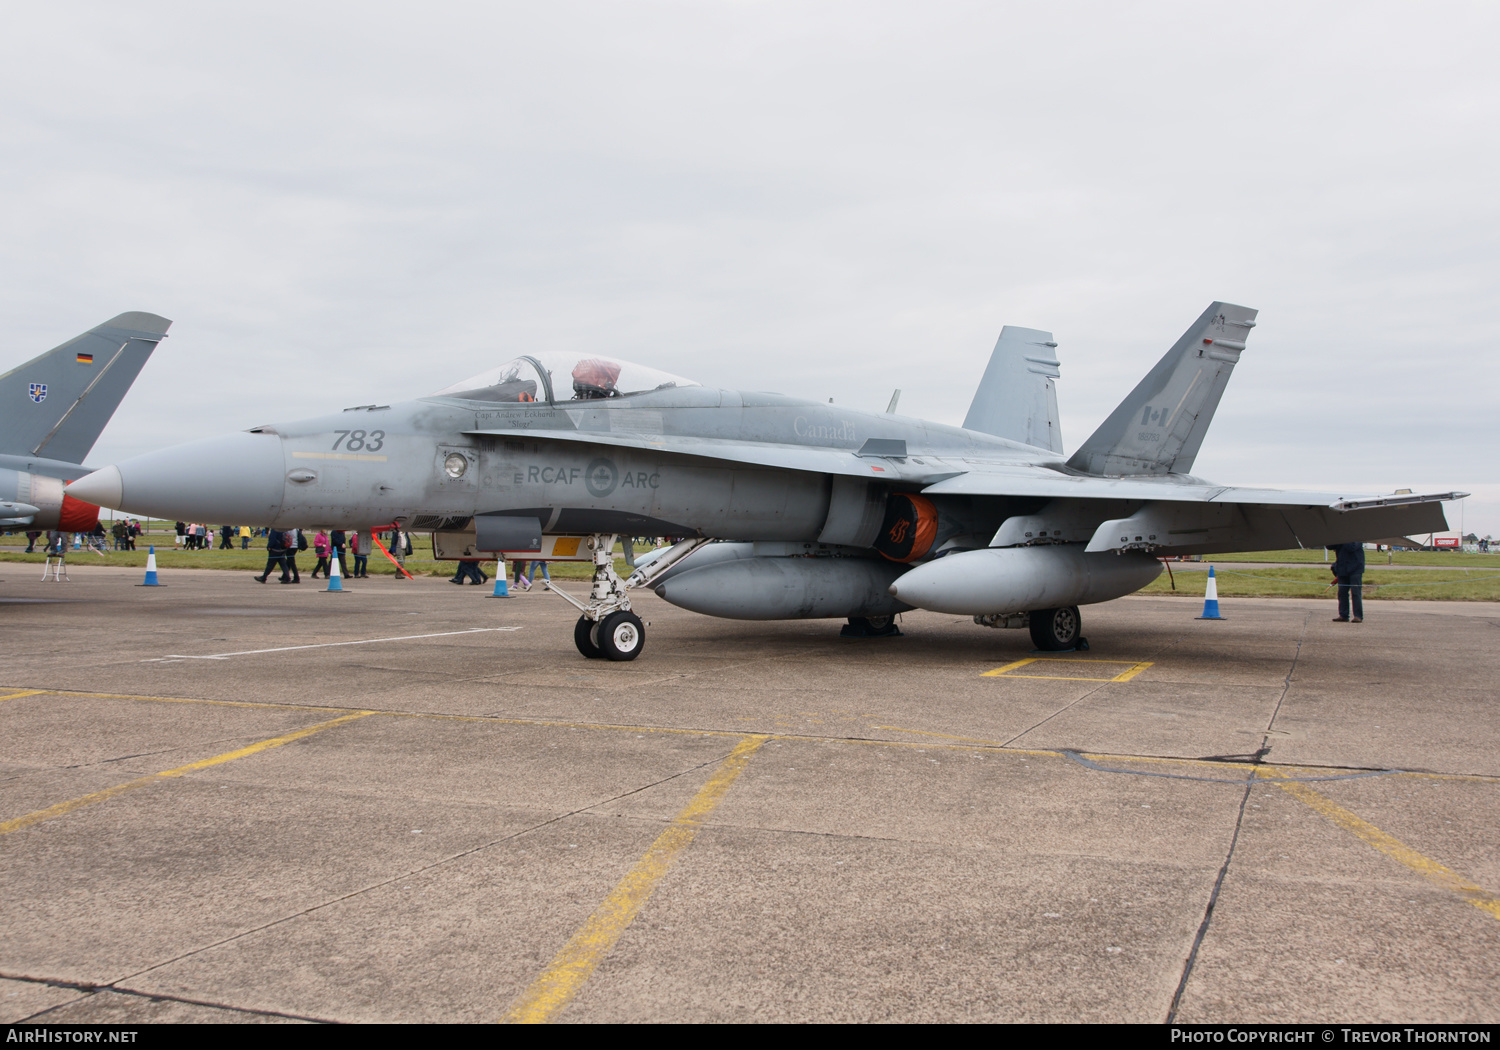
(439, 459)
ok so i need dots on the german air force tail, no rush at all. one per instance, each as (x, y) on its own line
(57, 404)
(1159, 428)
(1017, 398)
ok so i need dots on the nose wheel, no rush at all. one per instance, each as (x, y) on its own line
(583, 637)
(619, 636)
(608, 629)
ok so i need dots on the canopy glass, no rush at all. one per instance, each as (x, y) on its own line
(562, 377)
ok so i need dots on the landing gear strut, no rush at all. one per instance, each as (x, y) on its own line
(607, 627)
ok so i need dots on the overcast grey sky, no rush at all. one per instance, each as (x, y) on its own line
(340, 204)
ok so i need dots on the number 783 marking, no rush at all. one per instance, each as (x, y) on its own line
(355, 440)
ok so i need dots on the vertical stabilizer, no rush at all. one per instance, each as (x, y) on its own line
(1159, 428)
(56, 405)
(1017, 398)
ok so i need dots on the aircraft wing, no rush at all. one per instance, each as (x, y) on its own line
(1043, 482)
(878, 459)
(1177, 515)
(1174, 514)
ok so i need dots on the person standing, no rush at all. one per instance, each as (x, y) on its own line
(468, 569)
(361, 549)
(275, 556)
(244, 537)
(1349, 571)
(320, 548)
(398, 551)
(337, 543)
(294, 542)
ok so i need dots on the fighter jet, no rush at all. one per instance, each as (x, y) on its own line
(780, 507)
(56, 405)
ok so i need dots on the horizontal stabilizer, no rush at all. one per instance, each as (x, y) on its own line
(57, 404)
(1159, 428)
(1017, 398)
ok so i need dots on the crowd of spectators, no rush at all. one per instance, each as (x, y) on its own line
(283, 546)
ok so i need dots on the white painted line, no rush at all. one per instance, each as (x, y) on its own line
(325, 645)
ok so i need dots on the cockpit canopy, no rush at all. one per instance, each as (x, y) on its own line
(555, 377)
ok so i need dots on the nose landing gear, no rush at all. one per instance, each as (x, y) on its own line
(608, 628)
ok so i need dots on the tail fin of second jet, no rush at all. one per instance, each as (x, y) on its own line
(56, 405)
(1017, 398)
(1159, 428)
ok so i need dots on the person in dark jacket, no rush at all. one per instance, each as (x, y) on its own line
(1349, 571)
(337, 541)
(275, 556)
(468, 569)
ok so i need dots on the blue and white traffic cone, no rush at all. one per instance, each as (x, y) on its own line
(1211, 598)
(151, 580)
(500, 588)
(335, 581)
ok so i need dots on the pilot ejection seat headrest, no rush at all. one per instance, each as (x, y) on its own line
(595, 377)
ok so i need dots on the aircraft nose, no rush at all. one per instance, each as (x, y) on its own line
(234, 478)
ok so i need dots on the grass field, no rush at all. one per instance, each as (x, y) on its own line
(1450, 576)
(169, 556)
(1446, 559)
(1248, 581)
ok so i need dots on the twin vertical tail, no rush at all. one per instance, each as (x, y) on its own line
(1159, 428)
(1017, 398)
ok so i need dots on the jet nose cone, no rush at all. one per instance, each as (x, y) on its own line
(102, 487)
(234, 478)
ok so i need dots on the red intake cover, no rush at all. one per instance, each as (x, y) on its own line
(77, 516)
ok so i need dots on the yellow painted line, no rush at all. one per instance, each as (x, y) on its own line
(573, 965)
(23, 692)
(961, 739)
(194, 700)
(624, 727)
(1393, 847)
(1124, 676)
(17, 823)
(365, 457)
(1008, 667)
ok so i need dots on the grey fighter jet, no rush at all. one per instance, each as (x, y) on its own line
(780, 507)
(56, 405)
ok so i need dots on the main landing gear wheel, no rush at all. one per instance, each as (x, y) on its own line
(583, 638)
(870, 627)
(1054, 630)
(622, 636)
